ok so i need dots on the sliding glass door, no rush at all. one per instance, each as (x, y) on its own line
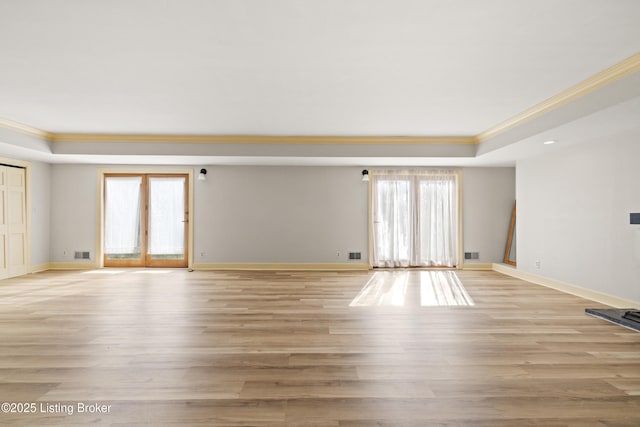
(145, 219)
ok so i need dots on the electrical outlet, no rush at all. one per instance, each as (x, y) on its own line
(538, 264)
(202, 254)
(338, 254)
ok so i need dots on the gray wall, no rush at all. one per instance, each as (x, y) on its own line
(73, 211)
(488, 195)
(40, 213)
(573, 216)
(280, 214)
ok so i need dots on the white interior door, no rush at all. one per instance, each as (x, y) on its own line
(4, 227)
(17, 221)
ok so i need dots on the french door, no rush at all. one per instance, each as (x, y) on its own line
(414, 218)
(146, 220)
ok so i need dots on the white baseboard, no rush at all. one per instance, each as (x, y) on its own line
(477, 266)
(72, 265)
(568, 288)
(40, 267)
(281, 266)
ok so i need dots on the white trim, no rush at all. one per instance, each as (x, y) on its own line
(73, 265)
(460, 263)
(478, 266)
(40, 268)
(282, 266)
(24, 129)
(567, 288)
(604, 78)
(27, 200)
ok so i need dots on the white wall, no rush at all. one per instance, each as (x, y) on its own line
(488, 195)
(271, 214)
(573, 216)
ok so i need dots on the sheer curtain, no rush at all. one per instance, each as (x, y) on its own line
(393, 221)
(166, 216)
(414, 218)
(122, 215)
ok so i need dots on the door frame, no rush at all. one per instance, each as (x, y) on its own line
(458, 172)
(145, 171)
(28, 267)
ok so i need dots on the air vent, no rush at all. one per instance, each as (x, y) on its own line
(635, 218)
(472, 255)
(355, 255)
(81, 255)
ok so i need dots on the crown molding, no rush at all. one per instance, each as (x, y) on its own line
(25, 129)
(616, 72)
(261, 139)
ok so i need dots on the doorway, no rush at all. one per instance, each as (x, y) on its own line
(146, 220)
(14, 241)
(415, 219)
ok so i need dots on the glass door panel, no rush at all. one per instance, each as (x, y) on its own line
(393, 231)
(145, 220)
(167, 224)
(124, 245)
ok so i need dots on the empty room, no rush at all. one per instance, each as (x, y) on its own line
(336, 213)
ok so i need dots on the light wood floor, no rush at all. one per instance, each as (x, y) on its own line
(173, 348)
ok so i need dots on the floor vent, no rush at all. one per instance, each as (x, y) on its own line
(355, 255)
(82, 255)
(472, 255)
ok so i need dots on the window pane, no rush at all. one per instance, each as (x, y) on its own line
(415, 220)
(437, 222)
(122, 217)
(166, 217)
(393, 226)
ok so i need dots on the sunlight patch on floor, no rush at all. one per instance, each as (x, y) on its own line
(412, 288)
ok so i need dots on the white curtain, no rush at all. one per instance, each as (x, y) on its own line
(393, 221)
(122, 215)
(415, 218)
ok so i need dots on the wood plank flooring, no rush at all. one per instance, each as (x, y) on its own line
(178, 348)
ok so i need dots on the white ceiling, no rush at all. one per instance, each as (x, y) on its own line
(299, 67)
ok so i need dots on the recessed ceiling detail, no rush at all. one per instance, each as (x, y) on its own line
(471, 76)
